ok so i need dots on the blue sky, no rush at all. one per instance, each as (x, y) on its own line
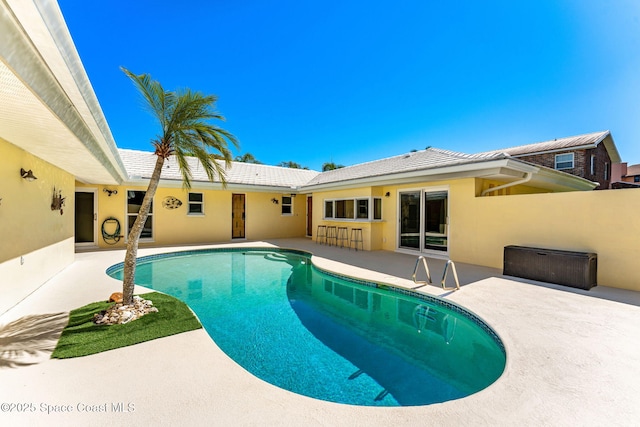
(354, 81)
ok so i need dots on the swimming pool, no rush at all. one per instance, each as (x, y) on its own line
(325, 336)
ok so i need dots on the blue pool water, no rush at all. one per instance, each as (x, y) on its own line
(323, 336)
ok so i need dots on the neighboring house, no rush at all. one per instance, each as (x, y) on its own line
(589, 156)
(631, 174)
(433, 202)
(624, 176)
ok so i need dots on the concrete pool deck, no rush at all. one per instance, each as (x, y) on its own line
(573, 358)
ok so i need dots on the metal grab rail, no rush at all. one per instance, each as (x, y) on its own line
(455, 276)
(426, 268)
(449, 264)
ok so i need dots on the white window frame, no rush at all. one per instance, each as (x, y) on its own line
(328, 203)
(289, 205)
(423, 191)
(129, 214)
(557, 163)
(195, 203)
(373, 211)
(606, 171)
(593, 164)
(356, 209)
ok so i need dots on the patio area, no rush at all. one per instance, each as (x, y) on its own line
(573, 358)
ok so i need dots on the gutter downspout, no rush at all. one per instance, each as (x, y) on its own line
(527, 178)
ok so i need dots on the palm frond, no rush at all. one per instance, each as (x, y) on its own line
(157, 99)
(185, 168)
(185, 117)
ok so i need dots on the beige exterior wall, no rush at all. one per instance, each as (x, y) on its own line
(604, 222)
(37, 242)
(371, 231)
(263, 219)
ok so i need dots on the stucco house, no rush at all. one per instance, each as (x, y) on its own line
(65, 185)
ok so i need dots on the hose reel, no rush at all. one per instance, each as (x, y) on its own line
(111, 238)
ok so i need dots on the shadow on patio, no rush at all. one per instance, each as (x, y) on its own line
(30, 339)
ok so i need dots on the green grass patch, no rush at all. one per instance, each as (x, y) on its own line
(81, 337)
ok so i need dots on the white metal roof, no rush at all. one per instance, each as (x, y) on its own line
(140, 165)
(419, 160)
(432, 164)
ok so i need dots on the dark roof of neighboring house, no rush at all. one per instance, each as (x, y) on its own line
(589, 140)
(633, 170)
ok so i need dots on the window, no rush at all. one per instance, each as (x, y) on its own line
(636, 178)
(363, 209)
(134, 201)
(328, 209)
(287, 208)
(606, 171)
(564, 161)
(195, 204)
(352, 209)
(377, 208)
(593, 164)
(344, 209)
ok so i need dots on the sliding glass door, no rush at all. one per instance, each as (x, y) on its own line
(410, 220)
(435, 220)
(424, 219)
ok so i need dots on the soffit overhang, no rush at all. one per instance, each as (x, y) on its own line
(47, 105)
(610, 145)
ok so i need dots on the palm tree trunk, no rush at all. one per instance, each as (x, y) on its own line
(134, 235)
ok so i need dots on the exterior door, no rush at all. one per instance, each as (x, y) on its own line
(424, 220)
(436, 220)
(237, 216)
(85, 218)
(410, 220)
(309, 215)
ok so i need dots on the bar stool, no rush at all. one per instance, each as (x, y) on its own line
(321, 234)
(332, 235)
(343, 237)
(356, 237)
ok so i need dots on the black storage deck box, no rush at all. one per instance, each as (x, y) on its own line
(575, 269)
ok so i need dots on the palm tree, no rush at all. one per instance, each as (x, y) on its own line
(292, 165)
(248, 158)
(329, 166)
(183, 117)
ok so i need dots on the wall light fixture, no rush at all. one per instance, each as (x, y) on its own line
(28, 175)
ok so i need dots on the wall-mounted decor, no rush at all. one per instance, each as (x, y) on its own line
(171, 202)
(27, 175)
(57, 201)
(109, 192)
